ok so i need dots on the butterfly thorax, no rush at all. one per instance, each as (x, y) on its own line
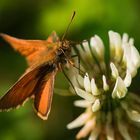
(57, 53)
(63, 52)
(39, 52)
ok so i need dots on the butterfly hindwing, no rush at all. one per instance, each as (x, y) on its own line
(43, 96)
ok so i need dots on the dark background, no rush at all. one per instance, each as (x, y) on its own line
(36, 19)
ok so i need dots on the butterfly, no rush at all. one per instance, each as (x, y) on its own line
(45, 58)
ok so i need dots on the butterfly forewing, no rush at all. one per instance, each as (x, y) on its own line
(32, 49)
(25, 87)
(19, 92)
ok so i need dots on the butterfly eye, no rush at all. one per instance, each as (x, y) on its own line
(59, 52)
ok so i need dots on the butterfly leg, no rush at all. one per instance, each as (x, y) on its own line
(68, 78)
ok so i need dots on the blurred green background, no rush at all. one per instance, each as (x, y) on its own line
(36, 19)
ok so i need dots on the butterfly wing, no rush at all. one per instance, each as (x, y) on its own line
(31, 49)
(38, 80)
(25, 87)
(53, 37)
(43, 96)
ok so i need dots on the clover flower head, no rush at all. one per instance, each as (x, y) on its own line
(110, 108)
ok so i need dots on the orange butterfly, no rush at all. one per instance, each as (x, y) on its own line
(45, 58)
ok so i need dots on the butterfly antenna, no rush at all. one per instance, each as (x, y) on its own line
(65, 33)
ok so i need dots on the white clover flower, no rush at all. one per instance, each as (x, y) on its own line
(110, 109)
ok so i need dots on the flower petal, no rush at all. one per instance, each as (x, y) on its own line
(133, 115)
(125, 38)
(81, 120)
(94, 134)
(120, 89)
(73, 78)
(96, 106)
(135, 97)
(114, 70)
(129, 55)
(82, 103)
(115, 45)
(87, 49)
(94, 88)
(123, 130)
(97, 46)
(127, 79)
(85, 95)
(135, 56)
(105, 85)
(89, 126)
(109, 129)
(63, 92)
(80, 80)
(87, 85)
(81, 52)
(131, 41)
